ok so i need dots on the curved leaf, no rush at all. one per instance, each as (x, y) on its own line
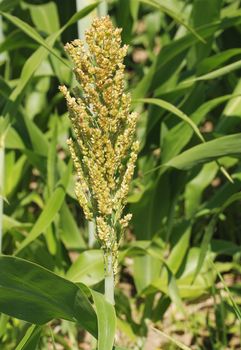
(174, 341)
(106, 321)
(223, 146)
(171, 108)
(31, 339)
(173, 144)
(88, 268)
(215, 74)
(50, 210)
(8, 5)
(176, 16)
(34, 61)
(32, 293)
(32, 33)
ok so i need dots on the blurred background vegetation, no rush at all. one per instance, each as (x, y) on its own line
(180, 259)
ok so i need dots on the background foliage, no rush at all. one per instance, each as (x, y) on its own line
(180, 260)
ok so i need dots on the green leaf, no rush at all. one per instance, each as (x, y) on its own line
(235, 197)
(134, 8)
(173, 290)
(16, 40)
(236, 308)
(50, 210)
(8, 5)
(180, 248)
(173, 144)
(88, 268)
(70, 233)
(214, 74)
(212, 62)
(52, 158)
(41, 14)
(225, 247)
(146, 269)
(10, 223)
(176, 16)
(31, 293)
(203, 13)
(196, 186)
(106, 321)
(31, 339)
(39, 143)
(223, 146)
(173, 340)
(151, 79)
(3, 324)
(205, 245)
(34, 61)
(182, 286)
(232, 113)
(32, 33)
(15, 167)
(171, 108)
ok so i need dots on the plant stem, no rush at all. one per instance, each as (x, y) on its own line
(85, 22)
(1, 190)
(91, 226)
(109, 278)
(102, 8)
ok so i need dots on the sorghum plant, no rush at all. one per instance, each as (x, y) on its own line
(105, 150)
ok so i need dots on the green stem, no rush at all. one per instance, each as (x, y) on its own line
(3, 54)
(85, 22)
(91, 226)
(1, 190)
(102, 8)
(109, 278)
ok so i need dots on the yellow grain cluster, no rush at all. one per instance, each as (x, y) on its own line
(105, 150)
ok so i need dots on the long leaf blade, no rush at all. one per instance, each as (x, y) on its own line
(51, 208)
(36, 295)
(106, 321)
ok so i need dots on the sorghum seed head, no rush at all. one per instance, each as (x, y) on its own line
(105, 150)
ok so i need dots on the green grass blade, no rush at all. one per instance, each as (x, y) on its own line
(68, 224)
(215, 74)
(32, 33)
(52, 159)
(50, 210)
(205, 246)
(173, 340)
(34, 61)
(173, 291)
(8, 5)
(176, 16)
(223, 146)
(235, 197)
(2, 171)
(213, 62)
(34, 294)
(150, 81)
(233, 302)
(173, 144)
(171, 108)
(88, 268)
(106, 321)
(31, 338)
(177, 112)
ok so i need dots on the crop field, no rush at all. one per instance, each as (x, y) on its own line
(120, 175)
